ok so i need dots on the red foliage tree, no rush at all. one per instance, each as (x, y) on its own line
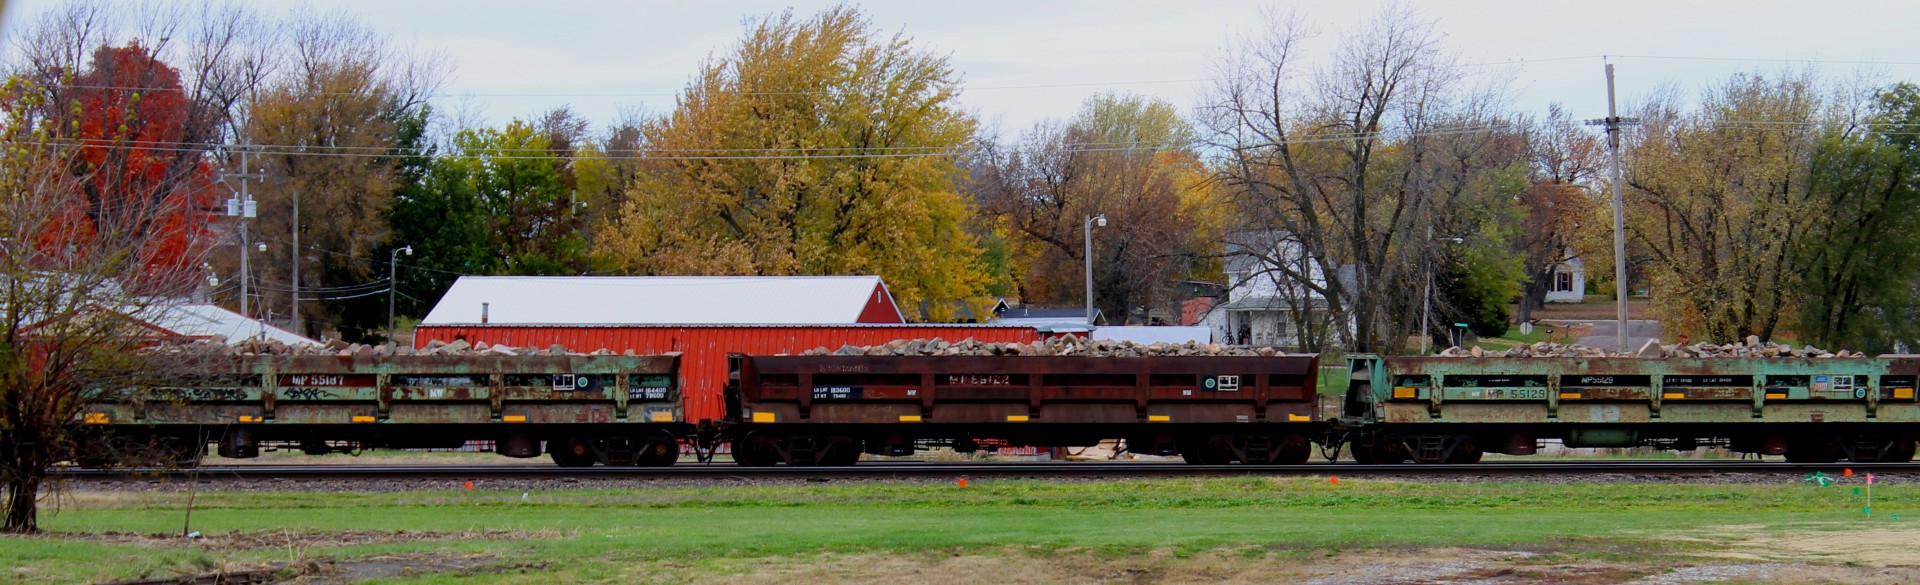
(133, 138)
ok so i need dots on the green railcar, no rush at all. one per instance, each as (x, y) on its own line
(581, 409)
(1436, 410)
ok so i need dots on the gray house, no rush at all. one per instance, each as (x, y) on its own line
(1265, 305)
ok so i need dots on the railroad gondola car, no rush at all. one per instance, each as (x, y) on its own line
(617, 410)
(827, 410)
(830, 410)
(1444, 409)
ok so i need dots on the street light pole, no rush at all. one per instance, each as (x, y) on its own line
(393, 283)
(1087, 228)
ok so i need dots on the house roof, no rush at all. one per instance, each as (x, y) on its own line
(1039, 316)
(1250, 249)
(1054, 314)
(1266, 303)
(550, 300)
(204, 320)
(963, 310)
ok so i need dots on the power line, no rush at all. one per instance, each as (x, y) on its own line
(379, 261)
(923, 153)
(1514, 61)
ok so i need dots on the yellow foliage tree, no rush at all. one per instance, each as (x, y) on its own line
(1126, 157)
(816, 147)
(1718, 197)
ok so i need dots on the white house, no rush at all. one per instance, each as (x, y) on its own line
(1264, 306)
(1567, 280)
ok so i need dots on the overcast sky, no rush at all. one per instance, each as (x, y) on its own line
(1024, 62)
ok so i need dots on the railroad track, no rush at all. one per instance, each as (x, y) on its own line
(885, 470)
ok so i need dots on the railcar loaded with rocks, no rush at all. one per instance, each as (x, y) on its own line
(578, 408)
(1207, 403)
(1807, 404)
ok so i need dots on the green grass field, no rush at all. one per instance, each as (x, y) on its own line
(682, 534)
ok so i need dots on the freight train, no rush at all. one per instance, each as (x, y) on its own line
(832, 409)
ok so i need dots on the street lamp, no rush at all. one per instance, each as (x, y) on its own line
(393, 283)
(1426, 308)
(1100, 219)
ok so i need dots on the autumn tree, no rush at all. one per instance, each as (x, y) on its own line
(79, 260)
(606, 170)
(1352, 161)
(321, 133)
(1123, 156)
(142, 158)
(146, 124)
(1564, 160)
(1718, 197)
(817, 146)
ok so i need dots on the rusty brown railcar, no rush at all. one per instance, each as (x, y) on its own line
(827, 410)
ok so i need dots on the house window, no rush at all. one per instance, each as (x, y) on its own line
(1562, 281)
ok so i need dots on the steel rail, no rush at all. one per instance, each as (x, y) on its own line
(916, 470)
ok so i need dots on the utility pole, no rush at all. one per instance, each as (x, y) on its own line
(294, 320)
(1426, 295)
(1613, 122)
(243, 208)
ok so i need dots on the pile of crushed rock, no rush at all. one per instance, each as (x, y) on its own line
(1653, 349)
(1056, 346)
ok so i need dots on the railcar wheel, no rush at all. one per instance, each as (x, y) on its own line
(1388, 450)
(571, 453)
(753, 450)
(1362, 452)
(661, 451)
(182, 452)
(1901, 451)
(1293, 450)
(840, 451)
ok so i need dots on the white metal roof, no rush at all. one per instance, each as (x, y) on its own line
(553, 300)
(1158, 333)
(201, 320)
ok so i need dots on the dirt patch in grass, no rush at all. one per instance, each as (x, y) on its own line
(300, 540)
(1246, 566)
(341, 572)
(1838, 542)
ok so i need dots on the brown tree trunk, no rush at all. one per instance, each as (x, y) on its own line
(23, 504)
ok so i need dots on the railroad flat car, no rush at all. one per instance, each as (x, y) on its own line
(1438, 410)
(827, 410)
(618, 410)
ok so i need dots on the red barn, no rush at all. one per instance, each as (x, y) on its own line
(702, 317)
